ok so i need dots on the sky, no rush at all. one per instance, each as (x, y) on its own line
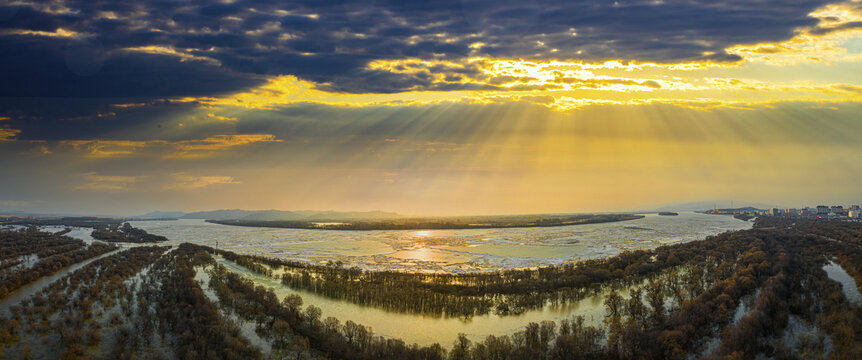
(427, 108)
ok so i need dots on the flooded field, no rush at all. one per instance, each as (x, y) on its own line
(28, 290)
(449, 250)
(427, 330)
(430, 250)
(76, 233)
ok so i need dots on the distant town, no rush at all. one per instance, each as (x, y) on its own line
(854, 212)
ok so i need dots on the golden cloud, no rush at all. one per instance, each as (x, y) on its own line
(221, 118)
(94, 181)
(170, 51)
(822, 43)
(59, 33)
(542, 75)
(107, 148)
(171, 149)
(210, 145)
(8, 134)
(566, 85)
(183, 181)
(696, 93)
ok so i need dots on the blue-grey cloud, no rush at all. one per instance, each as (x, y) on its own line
(79, 68)
(55, 119)
(330, 42)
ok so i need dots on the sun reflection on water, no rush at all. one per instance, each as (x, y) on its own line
(419, 254)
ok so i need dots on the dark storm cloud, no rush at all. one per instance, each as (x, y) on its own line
(66, 68)
(55, 119)
(330, 42)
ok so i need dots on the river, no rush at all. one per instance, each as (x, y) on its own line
(449, 250)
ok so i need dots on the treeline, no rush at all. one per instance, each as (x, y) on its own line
(846, 231)
(573, 340)
(437, 223)
(54, 253)
(125, 233)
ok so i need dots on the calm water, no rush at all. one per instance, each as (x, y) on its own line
(450, 250)
(848, 283)
(427, 330)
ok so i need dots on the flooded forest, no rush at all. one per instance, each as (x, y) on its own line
(782, 290)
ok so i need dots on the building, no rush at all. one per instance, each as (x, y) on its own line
(774, 212)
(854, 214)
(836, 210)
(855, 207)
(822, 210)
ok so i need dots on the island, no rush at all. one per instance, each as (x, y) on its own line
(125, 233)
(437, 223)
(104, 229)
(667, 213)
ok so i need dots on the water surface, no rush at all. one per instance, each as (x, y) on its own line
(427, 330)
(450, 250)
(848, 283)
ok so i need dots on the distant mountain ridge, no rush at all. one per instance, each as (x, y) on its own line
(272, 215)
(161, 215)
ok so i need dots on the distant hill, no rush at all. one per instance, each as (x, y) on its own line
(161, 215)
(272, 215)
(218, 214)
(709, 205)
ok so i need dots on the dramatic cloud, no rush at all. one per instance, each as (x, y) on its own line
(174, 48)
(75, 65)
